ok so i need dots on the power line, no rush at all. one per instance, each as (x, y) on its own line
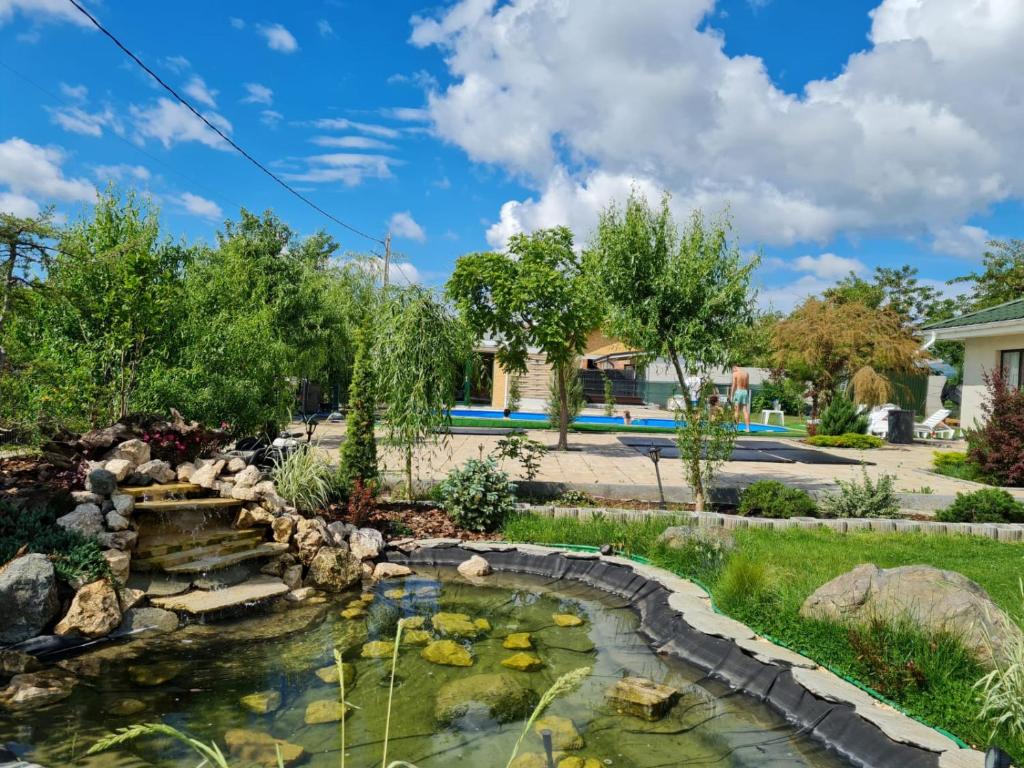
(184, 102)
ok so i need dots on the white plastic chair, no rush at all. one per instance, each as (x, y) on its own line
(934, 426)
(878, 420)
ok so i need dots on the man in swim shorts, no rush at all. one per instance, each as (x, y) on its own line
(739, 393)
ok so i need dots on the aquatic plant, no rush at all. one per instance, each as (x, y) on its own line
(567, 683)
(209, 752)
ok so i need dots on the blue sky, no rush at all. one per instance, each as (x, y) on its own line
(839, 135)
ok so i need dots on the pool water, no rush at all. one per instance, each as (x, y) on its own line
(526, 416)
(210, 668)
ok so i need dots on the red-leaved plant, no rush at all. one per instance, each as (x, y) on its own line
(362, 502)
(997, 447)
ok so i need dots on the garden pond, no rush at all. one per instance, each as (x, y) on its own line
(504, 640)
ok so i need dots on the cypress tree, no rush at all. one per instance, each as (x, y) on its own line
(359, 451)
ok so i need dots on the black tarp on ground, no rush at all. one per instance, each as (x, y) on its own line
(767, 451)
(833, 724)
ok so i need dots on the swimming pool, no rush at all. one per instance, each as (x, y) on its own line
(654, 423)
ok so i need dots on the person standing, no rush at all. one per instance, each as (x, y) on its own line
(739, 393)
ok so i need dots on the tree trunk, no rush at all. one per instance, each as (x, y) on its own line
(698, 495)
(563, 411)
(408, 474)
(8, 288)
(680, 376)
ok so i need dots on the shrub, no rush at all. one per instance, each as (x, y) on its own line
(988, 505)
(478, 496)
(789, 393)
(840, 417)
(1002, 690)
(997, 448)
(515, 394)
(304, 478)
(849, 440)
(522, 449)
(743, 580)
(74, 556)
(954, 464)
(770, 498)
(574, 498)
(701, 554)
(359, 451)
(362, 502)
(863, 499)
(609, 396)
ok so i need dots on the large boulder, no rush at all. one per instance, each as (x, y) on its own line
(334, 569)
(119, 468)
(160, 471)
(28, 598)
(499, 697)
(366, 543)
(206, 475)
(101, 482)
(154, 620)
(85, 519)
(310, 535)
(250, 517)
(248, 477)
(135, 451)
(104, 438)
(95, 611)
(933, 599)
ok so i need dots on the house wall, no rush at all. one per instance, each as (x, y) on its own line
(980, 356)
(533, 385)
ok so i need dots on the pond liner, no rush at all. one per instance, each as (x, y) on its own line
(836, 725)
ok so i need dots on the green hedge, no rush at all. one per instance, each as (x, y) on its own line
(849, 440)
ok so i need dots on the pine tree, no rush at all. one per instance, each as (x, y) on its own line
(840, 417)
(359, 451)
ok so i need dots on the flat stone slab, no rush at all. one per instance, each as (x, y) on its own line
(159, 489)
(268, 549)
(182, 505)
(254, 590)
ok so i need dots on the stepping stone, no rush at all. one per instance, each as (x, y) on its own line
(159, 585)
(255, 590)
(523, 662)
(447, 653)
(262, 703)
(325, 711)
(416, 637)
(258, 748)
(564, 735)
(454, 624)
(641, 697)
(518, 641)
(566, 620)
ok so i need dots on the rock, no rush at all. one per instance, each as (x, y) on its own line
(222, 578)
(86, 497)
(262, 749)
(566, 620)
(124, 504)
(248, 477)
(482, 624)
(640, 697)
(101, 482)
(283, 527)
(250, 517)
(933, 599)
(681, 536)
(366, 543)
(416, 637)
(137, 479)
(35, 689)
(262, 703)
(184, 471)
(160, 584)
(310, 535)
(353, 613)
(160, 471)
(28, 598)
(274, 503)
(128, 707)
(575, 761)
(377, 649)
(333, 570)
(518, 641)
(454, 625)
(523, 662)
(329, 674)
(390, 571)
(292, 576)
(235, 464)
(448, 653)
(94, 612)
(242, 494)
(340, 532)
(85, 519)
(130, 597)
(124, 540)
(474, 567)
(136, 452)
(206, 476)
(155, 620)
(564, 736)
(500, 697)
(15, 662)
(393, 594)
(278, 565)
(104, 438)
(300, 595)
(413, 622)
(121, 469)
(225, 489)
(117, 522)
(325, 711)
(158, 673)
(119, 562)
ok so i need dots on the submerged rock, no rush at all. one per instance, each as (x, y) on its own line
(353, 613)
(500, 697)
(95, 611)
(416, 637)
(390, 571)
(395, 594)
(262, 703)
(447, 652)
(15, 662)
(377, 649)
(329, 674)
(256, 747)
(414, 622)
(575, 761)
(523, 662)
(127, 707)
(641, 697)
(35, 689)
(566, 620)
(155, 674)
(564, 736)
(28, 598)
(454, 624)
(325, 711)
(518, 641)
(154, 620)
(482, 624)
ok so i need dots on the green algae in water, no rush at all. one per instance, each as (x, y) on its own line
(281, 652)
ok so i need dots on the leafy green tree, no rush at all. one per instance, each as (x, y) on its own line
(535, 295)
(1001, 279)
(420, 348)
(681, 295)
(574, 399)
(24, 256)
(359, 451)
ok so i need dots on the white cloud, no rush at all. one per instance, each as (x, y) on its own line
(270, 118)
(828, 266)
(258, 94)
(200, 206)
(341, 124)
(350, 142)
(76, 92)
(421, 78)
(236, 22)
(42, 10)
(278, 38)
(33, 175)
(348, 168)
(78, 120)
(407, 114)
(966, 242)
(197, 89)
(18, 205)
(170, 122)
(325, 28)
(580, 98)
(121, 171)
(403, 225)
(177, 64)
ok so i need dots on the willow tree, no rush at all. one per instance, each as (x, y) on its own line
(534, 295)
(420, 351)
(681, 294)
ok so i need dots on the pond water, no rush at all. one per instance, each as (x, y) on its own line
(195, 679)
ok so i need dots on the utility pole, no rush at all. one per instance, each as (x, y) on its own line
(387, 256)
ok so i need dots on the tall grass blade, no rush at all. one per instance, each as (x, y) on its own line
(563, 685)
(209, 752)
(341, 692)
(391, 690)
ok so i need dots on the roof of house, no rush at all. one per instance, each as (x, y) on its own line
(1001, 313)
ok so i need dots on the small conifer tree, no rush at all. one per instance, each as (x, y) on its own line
(359, 451)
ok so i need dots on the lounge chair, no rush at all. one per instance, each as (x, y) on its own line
(935, 426)
(878, 420)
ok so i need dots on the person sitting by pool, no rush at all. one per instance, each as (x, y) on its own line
(739, 393)
(627, 418)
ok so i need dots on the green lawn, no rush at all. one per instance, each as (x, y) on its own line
(764, 581)
(794, 425)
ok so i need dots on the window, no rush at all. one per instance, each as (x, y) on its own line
(1012, 363)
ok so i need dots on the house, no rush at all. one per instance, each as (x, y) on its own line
(993, 338)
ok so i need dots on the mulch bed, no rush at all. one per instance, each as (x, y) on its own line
(32, 479)
(396, 520)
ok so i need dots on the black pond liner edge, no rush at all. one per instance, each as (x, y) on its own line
(835, 725)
